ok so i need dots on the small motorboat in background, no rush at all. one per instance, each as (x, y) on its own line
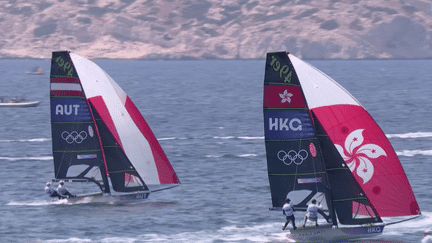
(37, 71)
(6, 101)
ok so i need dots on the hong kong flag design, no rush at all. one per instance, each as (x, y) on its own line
(362, 144)
(280, 96)
(370, 157)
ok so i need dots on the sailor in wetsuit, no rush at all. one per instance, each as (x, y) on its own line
(62, 189)
(312, 212)
(51, 192)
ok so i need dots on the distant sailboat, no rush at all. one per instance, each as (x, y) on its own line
(322, 144)
(37, 71)
(98, 134)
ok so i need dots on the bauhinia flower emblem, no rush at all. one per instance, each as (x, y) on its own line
(286, 97)
(357, 153)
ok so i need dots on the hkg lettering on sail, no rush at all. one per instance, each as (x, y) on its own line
(285, 124)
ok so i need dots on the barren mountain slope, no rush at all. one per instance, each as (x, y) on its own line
(174, 29)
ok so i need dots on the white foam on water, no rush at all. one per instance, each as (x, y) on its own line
(252, 138)
(416, 225)
(36, 203)
(248, 155)
(411, 153)
(226, 137)
(427, 239)
(55, 201)
(411, 135)
(267, 232)
(171, 138)
(213, 156)
(70, 240)
(26, 158)
(225, 234)
(39, 140)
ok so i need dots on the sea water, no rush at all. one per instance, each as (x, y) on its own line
(208, 118)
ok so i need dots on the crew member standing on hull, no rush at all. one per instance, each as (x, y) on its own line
(288, 211)
(312, 213)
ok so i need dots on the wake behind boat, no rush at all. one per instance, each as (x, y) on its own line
(99, 135)
(6, 101)
(322, 144)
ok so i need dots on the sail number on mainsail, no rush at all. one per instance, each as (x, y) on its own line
(285, 69)
(65, 65)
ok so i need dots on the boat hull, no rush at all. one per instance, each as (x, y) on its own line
(20, 104)
(326, 233)
(100, 198)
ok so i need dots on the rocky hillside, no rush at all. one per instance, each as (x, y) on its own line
(207, 29)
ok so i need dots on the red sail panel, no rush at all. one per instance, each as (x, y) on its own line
(370, 157)
(102, 109)
(283, 96)
(165, 171)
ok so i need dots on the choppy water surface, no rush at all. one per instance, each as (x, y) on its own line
(208, 118)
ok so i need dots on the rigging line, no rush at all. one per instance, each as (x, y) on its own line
(403, 220)
(164, 188)
(358, 209)
(295, 178)
(322, 196)
(370, 213)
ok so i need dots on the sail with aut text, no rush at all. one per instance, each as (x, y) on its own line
(98, 133)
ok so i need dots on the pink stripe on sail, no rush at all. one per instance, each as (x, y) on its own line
(165, 171)
(102, 109)
(371, 158)
(64, 80)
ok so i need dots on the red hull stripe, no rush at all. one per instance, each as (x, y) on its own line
(165, 171)
(283, 96)
(64, 80)
(371, 158)
(102, 109)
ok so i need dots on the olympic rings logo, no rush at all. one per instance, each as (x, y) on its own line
(292, 156)
(74, 137)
